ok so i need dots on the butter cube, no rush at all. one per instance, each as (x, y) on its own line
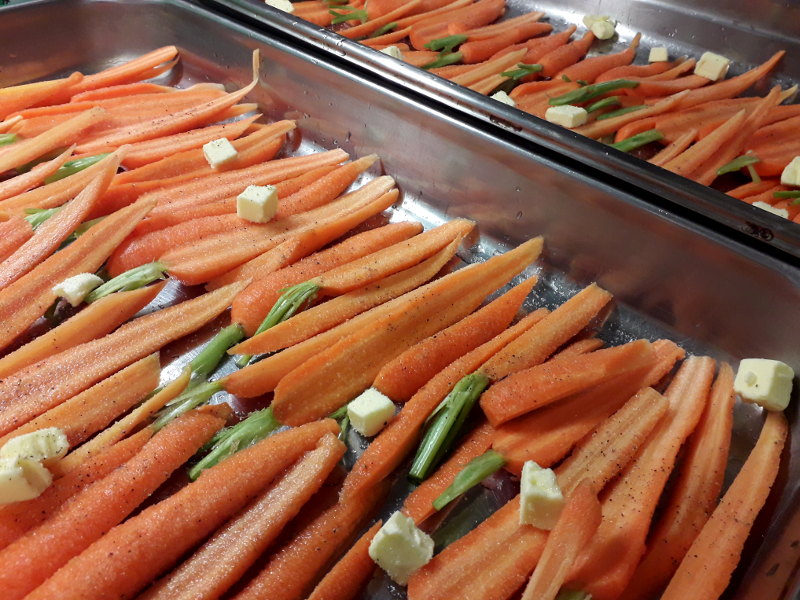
(22, 479)
(712, 66)
(765, 382)
(791, 174)
(283, 5)
(781, 212)
(660, 54)
(74, 289)
(501, 96)
(567, 116)
(400, 548)
(370, 412)
(603, 30)
(218, 152)
(589, 20)
(393, 51)
(45, 445)
(541, 499)
(257, 203)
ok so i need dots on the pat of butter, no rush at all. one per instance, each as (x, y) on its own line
(501, 96)
(45, 445)
(400, 548)
(370, 412)
(393, 51)
(541, 500)
(22, 479)
(660, 54)
(218, 152)
(567, 116)
(791, 174)
(603, 30)
(765, 382)
(257, 203)
(781, 212)
(283, 5)
(589, 20)
(712, 66)
(74, 289)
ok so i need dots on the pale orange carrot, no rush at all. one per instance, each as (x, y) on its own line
(121, 90)
(34, 177)
(690, 160)
(489, 68)
(607, 126)
(625, 71)
(17, 97)
(562, 57)
(373, 24)
(468, 17)
(589, 69)
(674, 148)
(13, 233)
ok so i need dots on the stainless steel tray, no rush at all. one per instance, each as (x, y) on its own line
(743, 30)
(670, 276)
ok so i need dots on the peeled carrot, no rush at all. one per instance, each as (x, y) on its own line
(391, 38)
(674, 149)
(373, 24)
(41, 386)
(42, 551)
(625, 71)
(432, 8)
(649, 88)
(579, 347)
(489, 68)
(121, 91)
(714, 554)
(17, 97)
(562, 57)
(690, 160)
(606, 126)
(222, 560)
(34, 177)
(577, 523)
(13, 233)
(752, 188)
(589, 69)
(527, 390)
(95, 320)
(539, 47)
(694, 495)
(477, 50)
(401, 378)
(132, 554)
(480, 13)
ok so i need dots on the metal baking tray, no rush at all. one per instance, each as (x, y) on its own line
(670, 276)
(745, 32)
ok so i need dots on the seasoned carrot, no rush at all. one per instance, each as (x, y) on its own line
(539, 47)
(17, 97)
(93, 409)
(675, 148)
(577, 523)
(401, 378)
(540, 385)
(626, 71)
(389, 449)
(712, 557)
(469, 17)
(34, 177)
(432, 8)
(391, 38)
(752, 188)
(690, 160)
(606, 126)
(562, 57)
(50, 234)
(223, 559)
(649, 88)
(13, 233)
(373, 24)
(132, 554)
(581, 347)
(45, 384)
(96, 320)
(121, 90)
(354, 361)
(489, 68)
(590, 69)
(42, 551)
(477, 50)
(695, 494)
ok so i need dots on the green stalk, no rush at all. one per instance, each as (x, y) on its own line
(786, 195)
(205, 363)
(37, 216)
(477, 470)
(445, 59)
(753, 174)
(133, 279)
(445, 424)
(446, 44)
(621, 111)
(230, 440)
(74, 166)
(604, 103)
(740, 162)
(638, 140)
(521, 71)
(589, 92)
(566, 594)
(37, 161)
(191, 398)
(82, 228)
(344, 425)
(348, 14)
(383, 30)
(8, 138)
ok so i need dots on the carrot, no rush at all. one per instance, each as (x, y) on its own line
(49, 236)
(27, 299)
(295, 569)
(489, 68)
(38, 387)
(91, 410)
(389, 449)
(694, 495)
(674, 149)
(537, 88)
(579, 347)
(349, 575)
(562, 57)
(59, 136)
(524, 391)
(649, 88)
(251, 306)
(590, 69)
(432, 8)
(547, 435)
(13, 233)
(129, 556)
(690, 160)
(223, 559)
(34, 177)
(43, 550)
(626, 71)
(96, 320)
(577, 523)
(401, 378)
(538, 47)
(469, 17)
(628, 506)
(387, 333)
(373, 24)
(477, 50)
(606, 126)
(714, 554)
(121, 90)
(378, 8)
(18, 97)
(387, 39)
(752, 188)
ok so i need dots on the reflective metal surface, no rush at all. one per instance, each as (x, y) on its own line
(670, 276)
(747, 31)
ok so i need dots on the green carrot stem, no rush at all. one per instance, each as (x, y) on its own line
(609, 102)
(8, 138)
(344, 425)
(74, 166)
(477, 470)
(133, 279)
(348, 13)
(785, 195)
(738, 163)
(521, 71)
(446, 44)
(621, 111)
(589, 92)
(191, 398)
(754, 176)
(339, 413)
(385, 29)
(444, 60)
(638, 140)
(567, 594)
(205, 363)
(37, 216)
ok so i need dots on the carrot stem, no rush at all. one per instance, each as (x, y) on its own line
(476, 471)
(135, 278)
(191, 398)
(75, 166)
(205, 363)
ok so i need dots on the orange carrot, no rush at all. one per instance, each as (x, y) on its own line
(577, 523)
(121, 91)
(532, 388)
(489, 68)
(675, 148)
(714, 554)
(579, 347)
(17, 97)
(752, 188)
(690, 160)
(649, 88)
(45, 384)
(432, 8)
(469, 17)
(354, 361)
(539, 47)
(42, 551)
(590, 69)
(477, 50)
(562, 57)
(391, 38)
(34, 177)
(694, 495)
(606, 126)
(625, 71)
(132, 554)
(13, 233)
(223, 559)
(96, 320)
(389, 449)
(373, 24)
